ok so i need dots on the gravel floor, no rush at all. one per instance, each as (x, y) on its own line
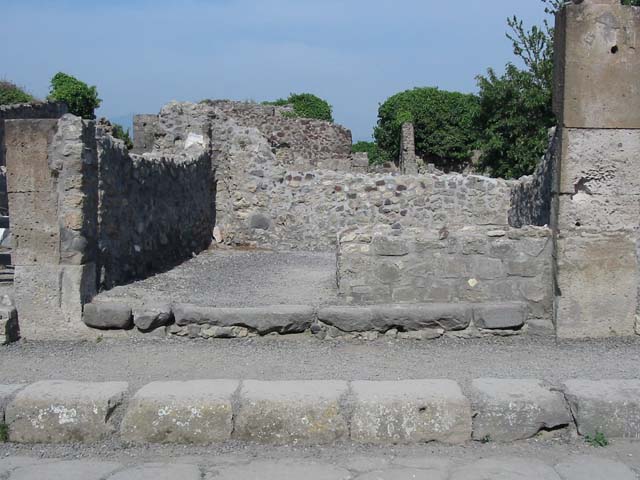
(236, 278)
(141, 360)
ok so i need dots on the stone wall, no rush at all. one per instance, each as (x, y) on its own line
(261, 202)
(596, 192)
(144, 131)
(384, 264)
(22, 111)
(531, 197)
(155, 210)
(53, 195)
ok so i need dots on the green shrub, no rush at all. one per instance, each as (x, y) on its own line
(81, 99)
(120, 133)
(306, 105)
(11, 94)
(376, 156)
(443, 122)
(598, 440)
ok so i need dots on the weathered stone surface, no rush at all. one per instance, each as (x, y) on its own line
(159, 471)
(508, 468)
(509, 410)
(404, 317)
(282, 319)
(6, 393)
(404, 474)
(64, 412)
(585, 466)
(283, 470)
(107, 315)
(611, 407)
(9, 327)
(410, 411)
(61, 291)
(67, 470)
(596, 64)
(597, 278)
(193, 412)
(500, 315)
(148, 317)
(307, 412)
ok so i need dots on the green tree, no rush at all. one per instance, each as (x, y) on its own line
(376, 156)
(81, 99)
(120, 133)
(11, 94)
(307, 105)
(443, 122)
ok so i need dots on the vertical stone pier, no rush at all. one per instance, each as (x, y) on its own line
(408, 159)
(52, 179)
(597, 180)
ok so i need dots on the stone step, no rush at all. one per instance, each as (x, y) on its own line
(417, 321)
(316, 412)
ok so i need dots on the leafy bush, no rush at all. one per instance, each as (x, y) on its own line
(443, 121)
(11, 94)
(376, 156)
(120, 133)
(514, 118)
(81, 99)
(306, 105)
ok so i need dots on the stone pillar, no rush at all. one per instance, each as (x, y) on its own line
(408, 159)
(53, 197)
(144, 133)
(597, 182)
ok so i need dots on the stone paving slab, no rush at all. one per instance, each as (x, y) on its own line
(6, 393)
(505, 469)
(281, 470)
(193, 412)
(508, 410)
(307, 412)
(611, 407)
(67, 470)
(583, 467)
(410, 411)
(159, 471)
(64, 411)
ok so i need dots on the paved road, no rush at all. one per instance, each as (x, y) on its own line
(591, 467)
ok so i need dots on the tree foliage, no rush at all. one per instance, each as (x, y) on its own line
(376, 156)
(11, 94)
(81, 99)
(307, 105)
(443, 122)
(120, 133)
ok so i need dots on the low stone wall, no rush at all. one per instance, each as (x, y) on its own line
(264, 203)
(474, 264)
(155, 211)
(317, 412)
(531, 197)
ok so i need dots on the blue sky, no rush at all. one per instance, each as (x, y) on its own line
(355, 53)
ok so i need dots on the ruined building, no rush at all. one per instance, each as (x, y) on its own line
(554, 253)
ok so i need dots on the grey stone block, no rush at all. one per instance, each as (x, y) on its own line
(281, 319)
(611, 407)
(159, 471)
(500, 316)
(506, 468)
(582, 467)
(64, 412)
(410, 411)
(67, 470)
(307, 412)
(107, 316)
(148, 317)
(508, 410)
(193, 412)
(9, 327)
(409, 317)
